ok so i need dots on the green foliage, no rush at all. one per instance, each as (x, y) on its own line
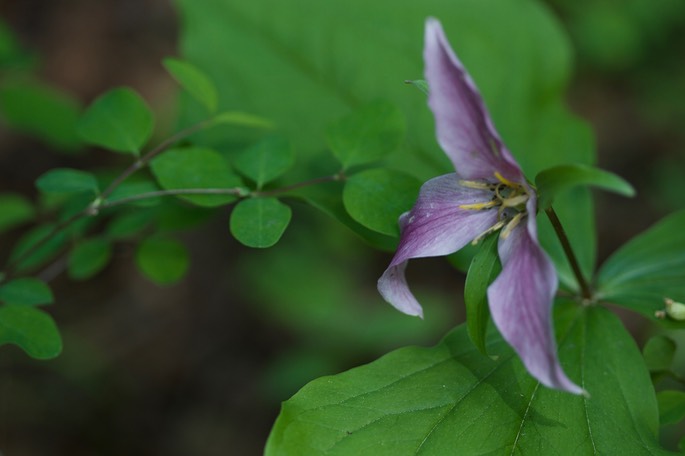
(241, 119)
(265, 160)
(671, 406)
(31, 329)
(194, 81)
(134, 188)
(647, 269)
(128, 224)
(419, 84)
(26, 292)
(553, 181)
(162, 260)
(658, 353)
(377, 197)
(30, 254)
(259, 222)
(366, 135)
(16, 210)
(67, 180)
(484, 269)
(88, 258)
(42, 111)
(433, 400)
(197, 168)
(119, 120)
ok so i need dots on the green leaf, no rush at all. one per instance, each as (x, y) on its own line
(671, 406)
(162, 260)
(450, 399)
(377, 197)
(658, 353)
(553, 181)
(31, 329)
(196, 168)
(647, 269)
(16, 210)
(119, 120)
(366, 135)
(485, 267)
(259, 222)
(266, 160)
(419, 84)
(128, 224)
(194, 81)
(241, 119)
(67, 180)
(135, 188)
(88, 258)
(39, 110)
(47, 250)
(26, 292)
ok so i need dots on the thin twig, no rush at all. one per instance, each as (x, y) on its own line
(237, 191)
(585, 289)
(289, 188)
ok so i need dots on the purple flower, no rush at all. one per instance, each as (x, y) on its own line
(487, 193)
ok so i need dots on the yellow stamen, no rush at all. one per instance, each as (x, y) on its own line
(505, 181)
(475, 184)
(515, 200)
(511, 225)
(493, 228)
(479, 206)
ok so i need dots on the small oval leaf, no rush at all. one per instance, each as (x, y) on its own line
(197, 168)
(259, 222)
(266, 160)
(88, 258)
(192, 79)
(162, 260)
(26, 292)
(367, 134)
(377, 197)
(33, 330)
(16, 210)
(658, 353)
(671, 406)
(67, 180)
(119, 120)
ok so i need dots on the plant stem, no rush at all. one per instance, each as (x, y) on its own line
(240, 192)
(585, 289)
(318, 180)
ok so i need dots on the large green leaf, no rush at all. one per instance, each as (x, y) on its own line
(485, 267)
(647, 269)
(119, 120)
(340, 55)
(196, 168)
(31, 329)
(554, 181)
(450, 399)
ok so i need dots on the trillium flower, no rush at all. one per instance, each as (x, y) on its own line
(488, 193)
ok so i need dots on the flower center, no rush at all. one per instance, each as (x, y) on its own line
(508, 197)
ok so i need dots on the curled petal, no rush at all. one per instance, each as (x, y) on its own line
(464, 128)
(435, 226)
(520, 304)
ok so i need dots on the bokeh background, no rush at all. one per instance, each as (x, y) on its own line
(201, 367)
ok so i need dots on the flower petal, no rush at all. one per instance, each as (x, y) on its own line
(464, 128)
(520, 304)
(435, 226)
